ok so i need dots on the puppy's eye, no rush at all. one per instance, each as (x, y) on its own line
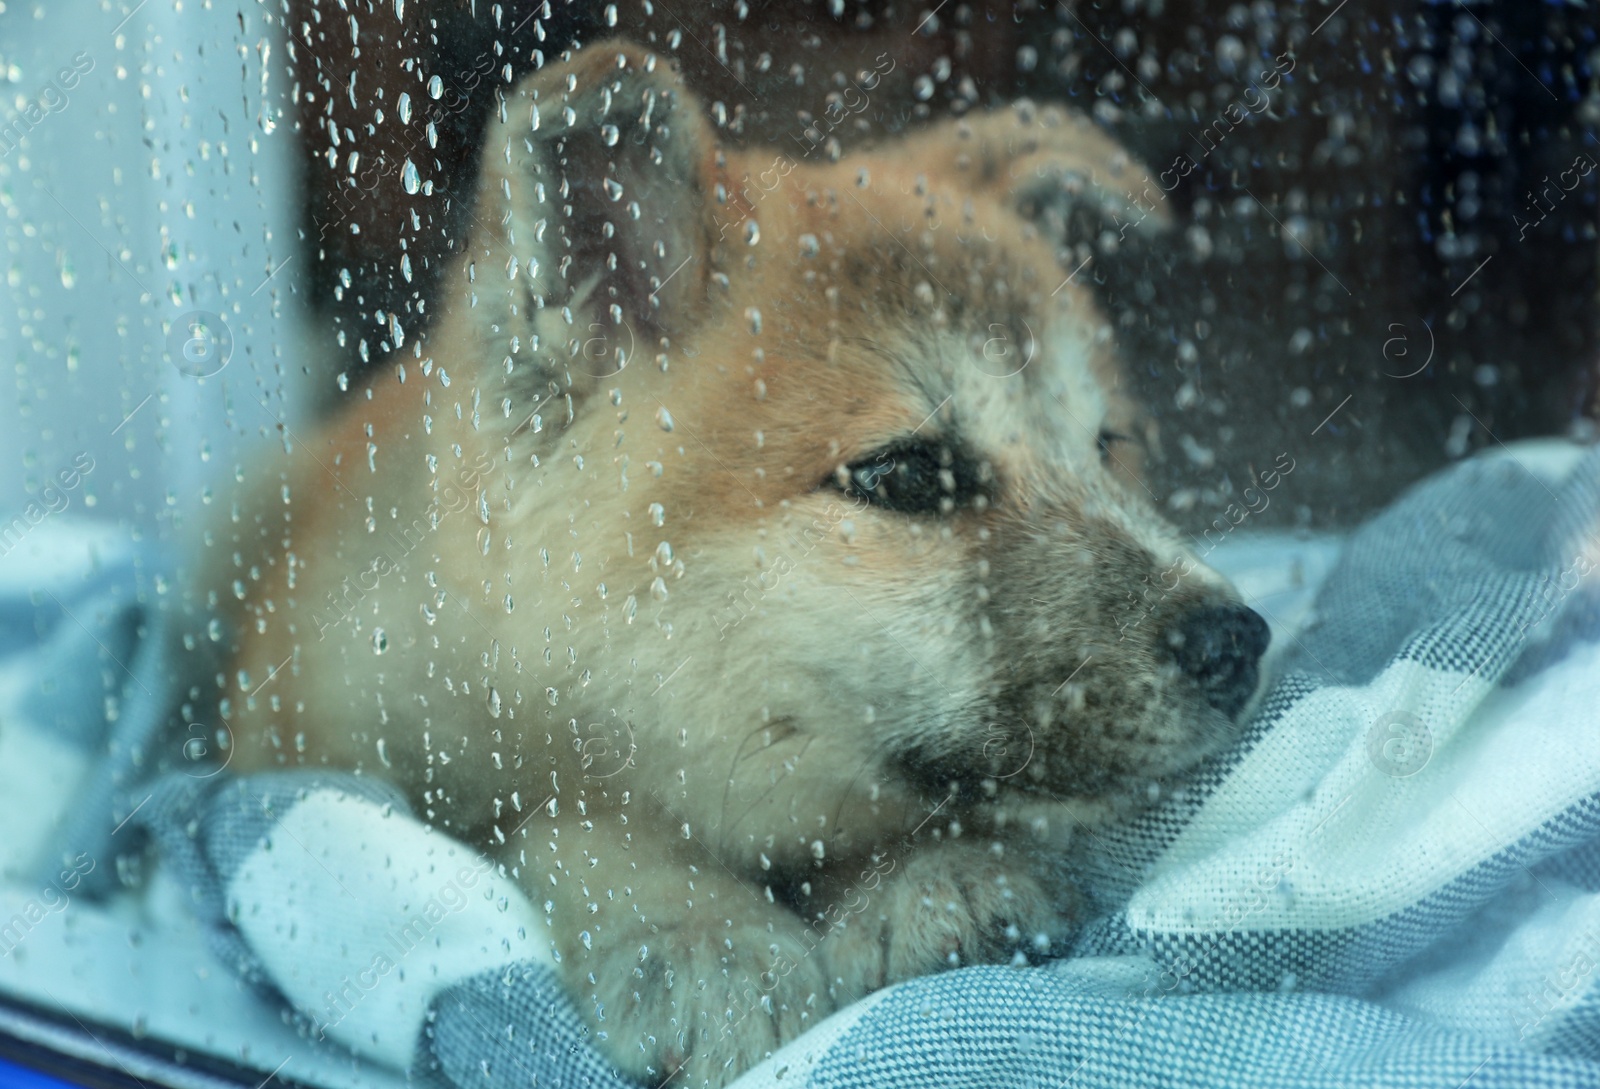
(913, 478)
(1109, 439)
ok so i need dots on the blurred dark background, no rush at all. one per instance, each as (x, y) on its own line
(1386, 257)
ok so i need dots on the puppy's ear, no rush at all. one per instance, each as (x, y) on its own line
(590, 234)
(1061, 171)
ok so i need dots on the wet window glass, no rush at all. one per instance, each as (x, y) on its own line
(823, 542)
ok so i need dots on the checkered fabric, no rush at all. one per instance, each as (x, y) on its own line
(1392, 879)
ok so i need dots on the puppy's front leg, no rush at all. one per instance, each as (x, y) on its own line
(937, 905)
(674, 958)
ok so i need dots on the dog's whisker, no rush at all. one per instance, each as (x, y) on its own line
(871, 759)
(797, 757)
(727, 785)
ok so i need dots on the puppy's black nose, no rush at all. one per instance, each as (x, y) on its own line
(1220, 646)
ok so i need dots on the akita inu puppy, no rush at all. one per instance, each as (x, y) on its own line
(748, 555)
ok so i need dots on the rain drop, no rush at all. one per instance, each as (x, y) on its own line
(380, 641)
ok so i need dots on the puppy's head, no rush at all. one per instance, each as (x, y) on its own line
(834, 487)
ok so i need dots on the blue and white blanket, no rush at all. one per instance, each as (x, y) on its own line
(1393, 879)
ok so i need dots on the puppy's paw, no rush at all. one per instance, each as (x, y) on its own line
(713, 998)
(949, 905)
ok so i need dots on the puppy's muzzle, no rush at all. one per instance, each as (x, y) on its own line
(1220, 647)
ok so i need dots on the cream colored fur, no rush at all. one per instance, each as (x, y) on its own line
(758, 744)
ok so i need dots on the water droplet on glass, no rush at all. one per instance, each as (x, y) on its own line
(380, 641)
(403, 106)
(552, 696)
(409, 178)
(494, 702)
(809, 246)
(664, 418)
(610, 135)
(752, 232)
(436, 87)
